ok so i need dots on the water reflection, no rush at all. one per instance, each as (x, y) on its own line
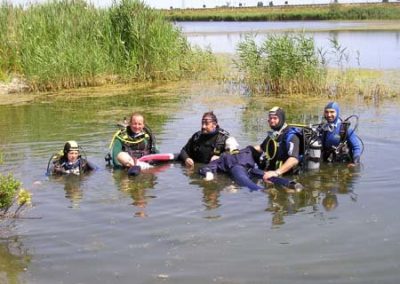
(282, 203)
(323, 191)
(73, 191)
(13, 261)
(138, 186)
(72, 187)
(211, 190)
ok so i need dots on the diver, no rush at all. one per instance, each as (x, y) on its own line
(242, 165)
(339, 142)
(130, 143)
(238, 163)
(281, 147)
(69, 161)
(205, 145)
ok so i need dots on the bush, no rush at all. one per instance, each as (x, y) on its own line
(12, 194)
(282, 64)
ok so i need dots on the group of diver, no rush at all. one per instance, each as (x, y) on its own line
(287, 149)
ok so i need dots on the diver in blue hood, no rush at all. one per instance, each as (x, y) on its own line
(339, 141)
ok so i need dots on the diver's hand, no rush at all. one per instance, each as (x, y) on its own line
(189, 162)
(269, 174)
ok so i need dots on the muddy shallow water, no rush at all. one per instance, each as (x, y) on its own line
(170, 226)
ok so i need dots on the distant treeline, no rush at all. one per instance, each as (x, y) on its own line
(69, 43)
(268, 12)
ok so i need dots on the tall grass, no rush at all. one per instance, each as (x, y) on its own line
(335, 11)
(285, 63)
(69, 43)
(8, 52)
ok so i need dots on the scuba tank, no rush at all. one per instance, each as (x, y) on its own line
(314, 154)
(310, 146)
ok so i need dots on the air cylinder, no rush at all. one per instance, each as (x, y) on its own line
(314, 155)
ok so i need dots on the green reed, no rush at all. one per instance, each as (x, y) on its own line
(69, 43)
(370, 11)
(282, 64)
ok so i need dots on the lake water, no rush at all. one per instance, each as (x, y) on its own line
(170, 226)
(365, 48)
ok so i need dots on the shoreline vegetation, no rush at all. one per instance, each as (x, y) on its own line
(69, 44)
(269, 12)
(290, 64)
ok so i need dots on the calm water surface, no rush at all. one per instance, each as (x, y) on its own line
(169, 226)
(365, 48)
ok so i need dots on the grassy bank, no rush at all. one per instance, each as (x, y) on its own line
(368, 11)
(66, 44)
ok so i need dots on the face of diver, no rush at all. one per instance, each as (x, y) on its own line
(273, 121)
(73, 156)
(136, 124)
(330, 115)
(208, 125)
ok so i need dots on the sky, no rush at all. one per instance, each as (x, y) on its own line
(183, 4)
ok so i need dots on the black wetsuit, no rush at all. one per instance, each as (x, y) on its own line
(201, 147)
(62, 166)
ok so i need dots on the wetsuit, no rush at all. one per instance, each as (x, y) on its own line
(137, 145)
(350, 146)
(239, 165)
(339, 144)
(201, 147)
(279, 146)
(62, 166)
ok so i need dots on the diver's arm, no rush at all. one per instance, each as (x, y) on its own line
(356, 147)
(289, 164)
(262, 147)
(184, 155)
(116, 149)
